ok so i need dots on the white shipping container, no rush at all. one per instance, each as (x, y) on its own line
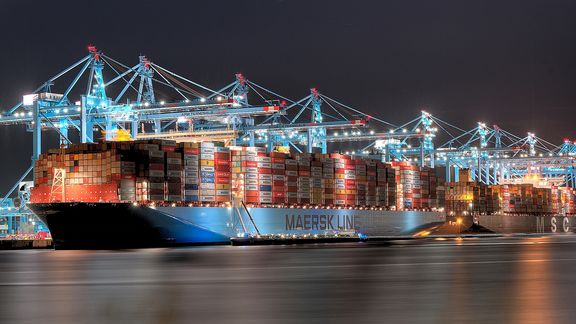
(222, 192)
(265, 182)
(265, 176)
(264, 159)
(251, 175)
(265, 200)
(264, 165)
(278, 177)
(265, 194)
(207, 156)
(173, 161)
(206, 168)
(207, 186)
(252, 187)
(207, 192)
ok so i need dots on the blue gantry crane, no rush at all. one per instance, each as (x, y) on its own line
(146, 100)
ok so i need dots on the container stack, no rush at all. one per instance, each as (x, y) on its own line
(340, 163)
(291, 181)
(304, 180)
(568, 200)
(278, 160)
(316, 183)
(392, 188)
(371, 183)
(328, 180)
(166, 172)
(264, 164)
(173, 176)
(245, 184)
(361, 185)
(382, 189)
(222, 175)
(425, 176)
(409, 185)
(191, 160)
(153, 170)
(207, 184)
(350, 182)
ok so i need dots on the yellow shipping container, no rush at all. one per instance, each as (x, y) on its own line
(206, 162)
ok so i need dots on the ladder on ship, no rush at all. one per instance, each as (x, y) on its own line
(59, 180)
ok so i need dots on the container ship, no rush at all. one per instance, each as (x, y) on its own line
(159, 192)
(150, 193)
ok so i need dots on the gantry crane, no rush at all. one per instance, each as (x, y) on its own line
(147, 100)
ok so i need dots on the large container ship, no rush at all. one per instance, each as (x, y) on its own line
(159, 193)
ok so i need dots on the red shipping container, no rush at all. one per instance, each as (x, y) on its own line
(222, 156)
(222, 168)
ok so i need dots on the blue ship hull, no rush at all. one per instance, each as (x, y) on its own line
(123, 225)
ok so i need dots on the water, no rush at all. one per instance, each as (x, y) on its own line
(513, 280)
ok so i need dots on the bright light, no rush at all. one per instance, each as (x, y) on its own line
(404, 130)
(28, 100)
(371, 132)
(29, 113)
(187, 101)
(162, 102)
(57, 111)
(219, 98)
(202, 99)
(65, 110)
(146, 104)
(78, 109)
(182, 120)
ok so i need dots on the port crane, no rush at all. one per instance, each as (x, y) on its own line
(147, 100)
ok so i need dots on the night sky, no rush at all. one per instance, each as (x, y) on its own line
(512, 63)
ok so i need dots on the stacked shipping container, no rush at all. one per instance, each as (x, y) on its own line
(165, 171)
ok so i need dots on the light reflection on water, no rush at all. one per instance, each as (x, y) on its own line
(437, 281)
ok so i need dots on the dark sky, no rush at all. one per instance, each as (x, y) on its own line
(507, 62)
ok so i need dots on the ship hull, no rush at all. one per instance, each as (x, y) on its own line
(123, 225)
(519, 224)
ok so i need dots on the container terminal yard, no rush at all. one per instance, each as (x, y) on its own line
(245, 162)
